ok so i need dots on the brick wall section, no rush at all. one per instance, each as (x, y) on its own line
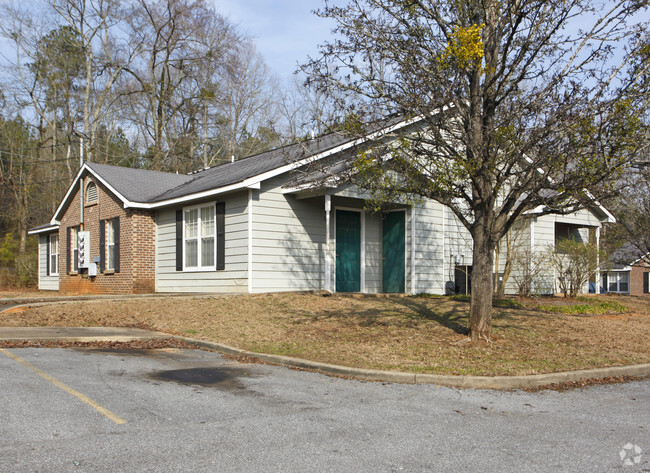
(137, 247)
(636, 277)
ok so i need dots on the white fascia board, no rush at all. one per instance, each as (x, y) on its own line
(330, 152)
(608, 214)
(642, 258)
(254, 182)
(50, 229)
(188, 198)
(73, 186)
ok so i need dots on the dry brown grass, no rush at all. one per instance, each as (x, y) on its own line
(407, 334)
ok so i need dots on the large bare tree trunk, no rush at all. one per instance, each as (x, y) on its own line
(480, 320)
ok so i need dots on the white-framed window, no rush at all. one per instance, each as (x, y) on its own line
(199, 237)
(617, 281)
(91, 193)
(53, 242)
(74, 248)
(110, 245)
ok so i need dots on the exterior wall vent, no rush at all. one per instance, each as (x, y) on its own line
(91, 193)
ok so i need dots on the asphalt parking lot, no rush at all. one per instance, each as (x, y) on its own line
(90, 410)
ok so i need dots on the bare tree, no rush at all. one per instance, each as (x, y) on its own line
(181, 38)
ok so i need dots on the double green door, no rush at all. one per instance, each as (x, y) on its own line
(348, 251)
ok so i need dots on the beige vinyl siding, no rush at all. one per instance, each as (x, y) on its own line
(429, 270)
(289, 240)
(544, 238)
(374, 253)
(519, 237)
(235, 276)
(45, 282)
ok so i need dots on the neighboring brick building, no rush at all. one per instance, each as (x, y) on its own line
(127, 267)
(630, 272)
(121, 247)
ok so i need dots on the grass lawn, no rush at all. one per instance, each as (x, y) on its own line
(416, 334)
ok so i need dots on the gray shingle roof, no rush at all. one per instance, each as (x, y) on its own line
(138, 185)
(625, 256)
(238, 171)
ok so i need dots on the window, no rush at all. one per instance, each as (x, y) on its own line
(91, 193)
(53, 254)
(618, 281)
(74, 248)
(110, 245)
(199, 237)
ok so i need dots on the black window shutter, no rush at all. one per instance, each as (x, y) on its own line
(646, 282)
(179, 240)
(102, 245)
(220, 209)
(116, 239)
(67, 253)
(47, 252)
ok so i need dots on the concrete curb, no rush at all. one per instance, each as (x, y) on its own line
(469, 382)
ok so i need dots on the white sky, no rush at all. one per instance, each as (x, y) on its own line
(285, 31)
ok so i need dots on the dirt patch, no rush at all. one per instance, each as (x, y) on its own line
(583, 383)
(411, 334)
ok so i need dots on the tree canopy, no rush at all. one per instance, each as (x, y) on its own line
(530, 107)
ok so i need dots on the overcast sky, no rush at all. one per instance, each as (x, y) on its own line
(285, 31)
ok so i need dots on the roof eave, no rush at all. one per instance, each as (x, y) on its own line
(47, 229)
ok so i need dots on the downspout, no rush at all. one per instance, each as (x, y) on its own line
(444, 252)
(250, 241)
(328, 261)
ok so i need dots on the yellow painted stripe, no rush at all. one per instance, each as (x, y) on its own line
(65, 387)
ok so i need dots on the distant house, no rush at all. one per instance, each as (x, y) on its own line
(629, 272)
(248, 227)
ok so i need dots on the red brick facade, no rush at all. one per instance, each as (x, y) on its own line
(636, 277)
(137, 236)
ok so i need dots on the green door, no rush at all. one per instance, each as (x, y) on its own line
(348, 251)
(393, 242)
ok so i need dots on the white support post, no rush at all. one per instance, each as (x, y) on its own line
(328, 261)
(413, 273)
(599, 274)
(250, 241)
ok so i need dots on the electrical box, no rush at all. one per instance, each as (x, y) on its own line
(92, 269)
(83, 243)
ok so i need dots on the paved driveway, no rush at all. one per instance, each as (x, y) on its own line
(189, 410)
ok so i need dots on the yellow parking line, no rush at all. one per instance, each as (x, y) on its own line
(65, 387)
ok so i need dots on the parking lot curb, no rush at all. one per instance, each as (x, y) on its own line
(469, 382)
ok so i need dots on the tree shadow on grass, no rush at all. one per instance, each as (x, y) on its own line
(454, 319)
